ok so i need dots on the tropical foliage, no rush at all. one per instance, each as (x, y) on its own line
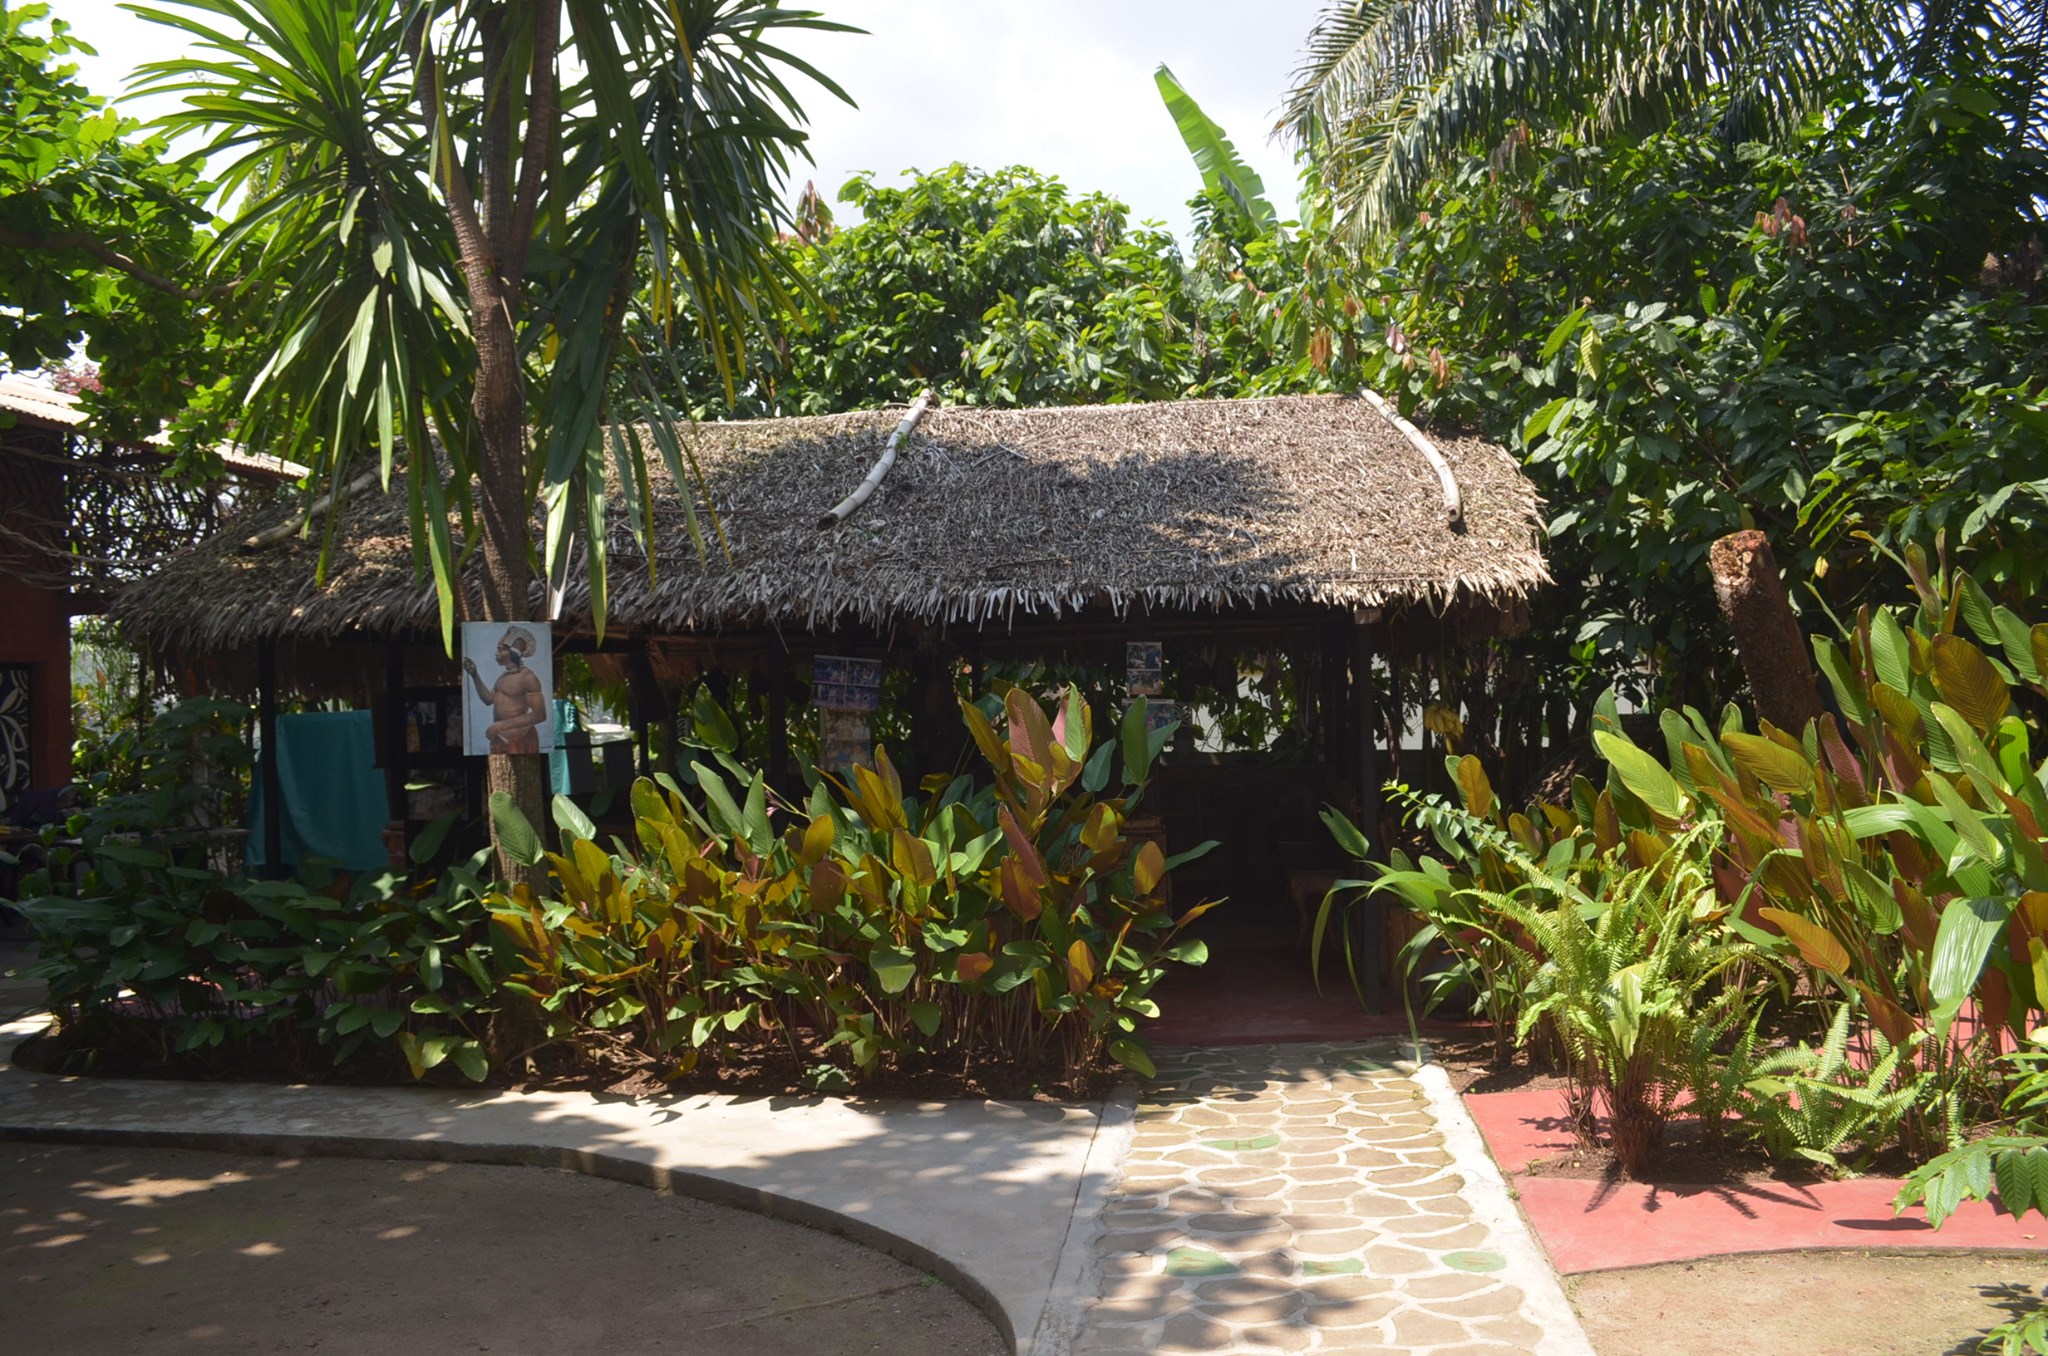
(1893, 856)
(1006, 287)
(478, 303)
(1391, 92)
(1686, 335)
(989, 288)
(1011, 920)
(95, 225)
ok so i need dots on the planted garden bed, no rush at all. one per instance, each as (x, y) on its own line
(1000, 938)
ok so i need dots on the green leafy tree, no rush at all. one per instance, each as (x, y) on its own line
(95, 228)
(438, 214)
(1392, 92)
(1685, 335)
(1007, 288)
(1000, 287)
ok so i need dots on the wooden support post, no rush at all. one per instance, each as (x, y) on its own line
(266, 760)
(643, 703)
(1333, 663)
(778, 719)
(395, 768)
(936, 727)
(1365, 707)
(965, 753)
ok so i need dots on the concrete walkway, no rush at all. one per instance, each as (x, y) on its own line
(118, 1249)
(1262, 1198)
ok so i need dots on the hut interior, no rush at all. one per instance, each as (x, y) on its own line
(1267, 571)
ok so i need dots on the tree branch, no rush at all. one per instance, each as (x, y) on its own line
(112, 258)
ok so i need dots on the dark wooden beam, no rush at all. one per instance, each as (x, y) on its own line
(266, 760)
(643, 704)
(778, 721)
(1365, 704)
(395, 769)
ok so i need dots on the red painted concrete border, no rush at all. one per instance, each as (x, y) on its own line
(1598, 1226)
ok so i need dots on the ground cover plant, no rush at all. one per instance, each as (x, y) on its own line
(2010, 1167)
(1873, 890)
(861, 930)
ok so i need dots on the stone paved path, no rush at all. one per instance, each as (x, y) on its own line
(1288, 1198)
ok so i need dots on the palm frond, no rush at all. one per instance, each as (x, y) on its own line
(1390, 90)
(350, 137)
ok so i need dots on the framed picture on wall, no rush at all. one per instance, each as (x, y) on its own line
(510, 678)
(433, 722)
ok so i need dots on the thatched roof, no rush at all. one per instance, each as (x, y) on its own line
(988, 515)
(40, 406)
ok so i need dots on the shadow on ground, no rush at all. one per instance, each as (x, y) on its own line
(1817, 1303)
(122, 1248)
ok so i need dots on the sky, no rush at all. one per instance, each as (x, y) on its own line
(1064, 86)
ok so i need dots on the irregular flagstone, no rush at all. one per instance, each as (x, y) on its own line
(1306, 1199)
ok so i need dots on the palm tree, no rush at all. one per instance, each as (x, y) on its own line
(1389, 90)
(442, 212)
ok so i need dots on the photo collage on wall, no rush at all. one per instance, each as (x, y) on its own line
(846, 692)
(1145, 676)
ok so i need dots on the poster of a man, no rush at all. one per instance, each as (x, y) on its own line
(510, 713)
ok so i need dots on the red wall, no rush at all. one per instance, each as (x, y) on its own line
(35, 629)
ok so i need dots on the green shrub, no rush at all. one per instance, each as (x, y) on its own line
(197, 962)
(1814, 1102)
(1014, 919)
(1898, 851)
(1894, 855)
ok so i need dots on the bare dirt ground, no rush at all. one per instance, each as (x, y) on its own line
(1811, 1303)
(114, 1250)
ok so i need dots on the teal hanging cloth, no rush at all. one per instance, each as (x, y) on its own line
(333, 791)
(558, 761)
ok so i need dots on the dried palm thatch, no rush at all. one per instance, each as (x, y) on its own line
(987, 517)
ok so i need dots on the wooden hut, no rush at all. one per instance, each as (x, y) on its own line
(1286, 544)
(79, 516)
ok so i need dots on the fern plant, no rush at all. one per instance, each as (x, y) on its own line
(1633, 982)
(1815, 1103)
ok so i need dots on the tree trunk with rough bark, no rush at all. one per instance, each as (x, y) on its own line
(493, 226)
(1774, 652)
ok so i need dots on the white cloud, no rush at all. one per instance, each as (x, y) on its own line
(1064, 86)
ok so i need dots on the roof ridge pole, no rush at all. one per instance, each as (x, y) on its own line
(848, 506)
(1454, 501)
(333, 498)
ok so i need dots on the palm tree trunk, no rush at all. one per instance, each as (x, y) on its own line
(507, 544)
(491, 260)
